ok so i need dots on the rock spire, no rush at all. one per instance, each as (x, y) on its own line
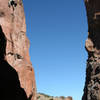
(92, 84)
(12, 22)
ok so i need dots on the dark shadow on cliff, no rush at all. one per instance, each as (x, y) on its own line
(95, 36)
(9, 82)
(94, 22)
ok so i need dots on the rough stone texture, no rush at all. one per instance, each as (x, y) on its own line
(13, 24)
(41, 96)
(92, 84)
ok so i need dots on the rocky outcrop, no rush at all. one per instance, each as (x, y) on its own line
(92, 84)
(12, 22)
(42, 96)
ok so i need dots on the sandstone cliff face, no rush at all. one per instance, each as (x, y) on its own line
(41, 96)
(92, 84)
(12, 21)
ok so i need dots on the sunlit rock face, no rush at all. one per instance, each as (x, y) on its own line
(12, 21)
(92, 84)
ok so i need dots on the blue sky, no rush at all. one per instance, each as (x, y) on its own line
(57, 30)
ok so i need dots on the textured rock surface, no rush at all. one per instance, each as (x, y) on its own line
(92, 84)
(41, 96)
(13, 24)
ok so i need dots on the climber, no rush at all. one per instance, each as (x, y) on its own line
(12, 4)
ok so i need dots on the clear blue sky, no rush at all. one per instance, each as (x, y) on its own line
(57, 30)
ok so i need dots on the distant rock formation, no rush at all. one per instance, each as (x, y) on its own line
(12, 22)
(92, 84)
(42, 96)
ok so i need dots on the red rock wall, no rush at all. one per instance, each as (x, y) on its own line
(13, 24)
(92, 84)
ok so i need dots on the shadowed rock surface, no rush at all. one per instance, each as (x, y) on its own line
(42, 96)
(92, 84)
(12, 21)
(9, 82)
